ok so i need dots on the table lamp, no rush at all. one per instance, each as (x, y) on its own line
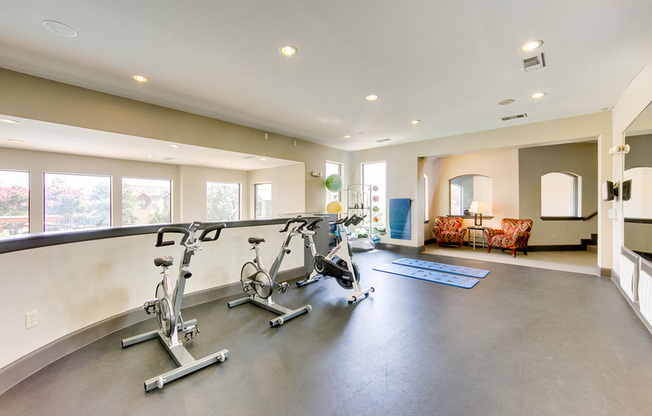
(477, 208)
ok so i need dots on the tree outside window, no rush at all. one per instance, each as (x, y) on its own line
(222, 201)
(14, 203)
(74, 202)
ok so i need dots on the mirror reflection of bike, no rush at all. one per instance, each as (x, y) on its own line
(167, 305)
(258, 283)
(337, 264)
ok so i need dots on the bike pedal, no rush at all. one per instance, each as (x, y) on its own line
(150, 306)
(283, 287)
(191, 332)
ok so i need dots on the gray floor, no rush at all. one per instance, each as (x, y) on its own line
(523, 341)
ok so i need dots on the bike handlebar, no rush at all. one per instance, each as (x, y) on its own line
(292, 221)
(161, 232)
(313, 224)
(217, 228)
(355, 220)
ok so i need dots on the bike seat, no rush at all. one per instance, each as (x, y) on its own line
(165, 261)
(256, 240)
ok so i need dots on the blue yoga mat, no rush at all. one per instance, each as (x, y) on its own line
(441, 267)
(429, 275)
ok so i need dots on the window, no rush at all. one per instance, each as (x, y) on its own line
(222, 201)
(374, 174)
(560, 194)
(74, 202)
(331, 169)
(426, 199)
(146, 201)
(14, 203)
(456, 199)
(263, 200)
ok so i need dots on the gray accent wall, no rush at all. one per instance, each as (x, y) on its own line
(578, 158)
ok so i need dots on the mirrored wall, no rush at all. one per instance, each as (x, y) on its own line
(636, 189)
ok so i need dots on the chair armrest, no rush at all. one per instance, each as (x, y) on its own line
(492, 232)
(462, 232)
(520, 238)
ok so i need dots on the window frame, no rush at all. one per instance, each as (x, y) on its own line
(255, 200)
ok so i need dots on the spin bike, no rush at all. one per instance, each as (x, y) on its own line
(259, 284)
(341, 267)
(167, 306)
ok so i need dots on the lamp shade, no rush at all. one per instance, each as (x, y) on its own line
(478, 207)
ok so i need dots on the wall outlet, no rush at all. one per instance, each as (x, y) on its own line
(554, 235)
(30, 319)
(640, 240)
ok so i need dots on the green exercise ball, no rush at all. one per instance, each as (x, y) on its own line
(334, 183)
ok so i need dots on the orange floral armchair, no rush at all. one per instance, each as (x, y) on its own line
(513, 236)
(449, 230)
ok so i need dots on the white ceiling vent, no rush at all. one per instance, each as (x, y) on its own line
(532, 63)
(383, 140)
(249, 157)
(514, 117)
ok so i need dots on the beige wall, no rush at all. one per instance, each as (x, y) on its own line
(288, 190)
(504, 183)
(193, 190)
(405, 172)
(40, 99)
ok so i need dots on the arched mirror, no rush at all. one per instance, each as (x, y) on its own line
(468, 188)
(637, 182)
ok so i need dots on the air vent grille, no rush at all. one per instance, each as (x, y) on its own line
(532, 63)
(383, 140)
(514, 117)
(249, 157)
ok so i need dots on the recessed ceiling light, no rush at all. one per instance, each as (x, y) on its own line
(262, 159)
(15, 141)
(347, 137)
(8, 121)
(139, 78)
(505, 102)
(371, 97)
(538, 94)
(175, 146)
(150, 157)
(532, 45)
(415, 122)
(228, 166)
(59, 28)
(288, 50)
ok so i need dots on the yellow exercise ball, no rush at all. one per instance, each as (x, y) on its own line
(334, 207)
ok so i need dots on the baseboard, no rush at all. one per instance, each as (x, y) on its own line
(400, 249)
(604, 272)
(15, 372)
(561, 247)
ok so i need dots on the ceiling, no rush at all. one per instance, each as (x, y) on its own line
(445, 63)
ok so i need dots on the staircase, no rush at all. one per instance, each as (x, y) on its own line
(590, 244)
